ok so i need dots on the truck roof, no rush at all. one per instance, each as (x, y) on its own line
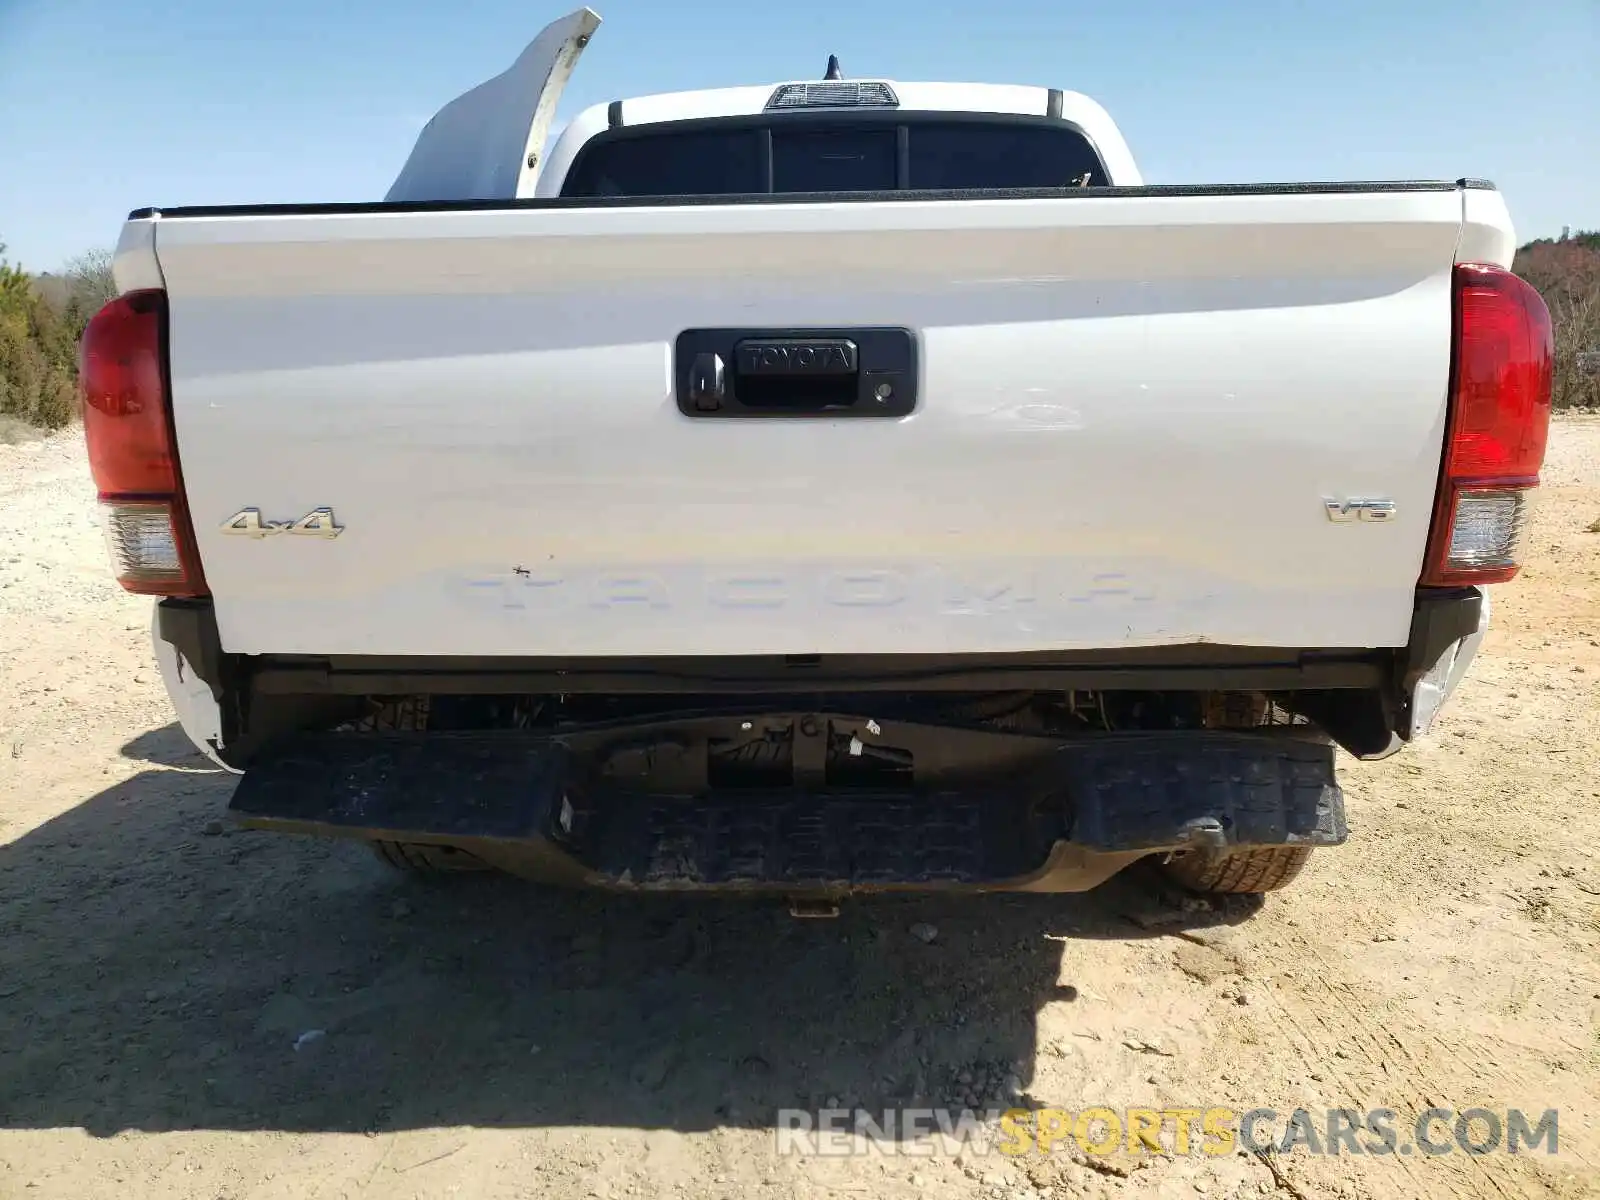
(1073, 108)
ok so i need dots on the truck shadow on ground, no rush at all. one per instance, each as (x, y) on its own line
(168, 746)
(160, 971)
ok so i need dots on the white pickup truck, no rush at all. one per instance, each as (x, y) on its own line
(815, 487)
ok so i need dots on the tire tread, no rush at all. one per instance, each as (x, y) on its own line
(1241, 872)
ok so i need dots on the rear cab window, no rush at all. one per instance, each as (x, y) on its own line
(835, 153)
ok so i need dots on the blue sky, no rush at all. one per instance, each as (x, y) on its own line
(107, 106)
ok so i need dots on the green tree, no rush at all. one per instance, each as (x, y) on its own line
(38, 368)
(15, 286)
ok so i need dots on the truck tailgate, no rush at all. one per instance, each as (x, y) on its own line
(1132, 414)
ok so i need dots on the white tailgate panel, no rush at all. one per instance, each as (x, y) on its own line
(1131, 411)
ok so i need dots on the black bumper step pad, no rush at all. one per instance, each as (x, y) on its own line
(821, 839)
(1109, 795)
(1161, 790)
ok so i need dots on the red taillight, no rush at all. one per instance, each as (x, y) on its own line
(1495, 432)
(127, 422)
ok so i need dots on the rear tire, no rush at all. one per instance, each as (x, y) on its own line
(1238, 872)
(428, 861)
(1241, 872)
(410, 714)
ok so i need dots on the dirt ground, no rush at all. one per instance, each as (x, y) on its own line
(161, 976)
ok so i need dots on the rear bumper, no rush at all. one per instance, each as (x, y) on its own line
(995, 810)
(1070, 813)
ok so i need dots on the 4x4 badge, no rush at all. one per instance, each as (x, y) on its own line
(318, 522)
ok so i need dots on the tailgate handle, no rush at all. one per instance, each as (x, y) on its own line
(796, 373)
(797, 356)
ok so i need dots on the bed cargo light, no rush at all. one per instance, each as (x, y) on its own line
(1499, 418)
(127, 422)
(850, 93)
